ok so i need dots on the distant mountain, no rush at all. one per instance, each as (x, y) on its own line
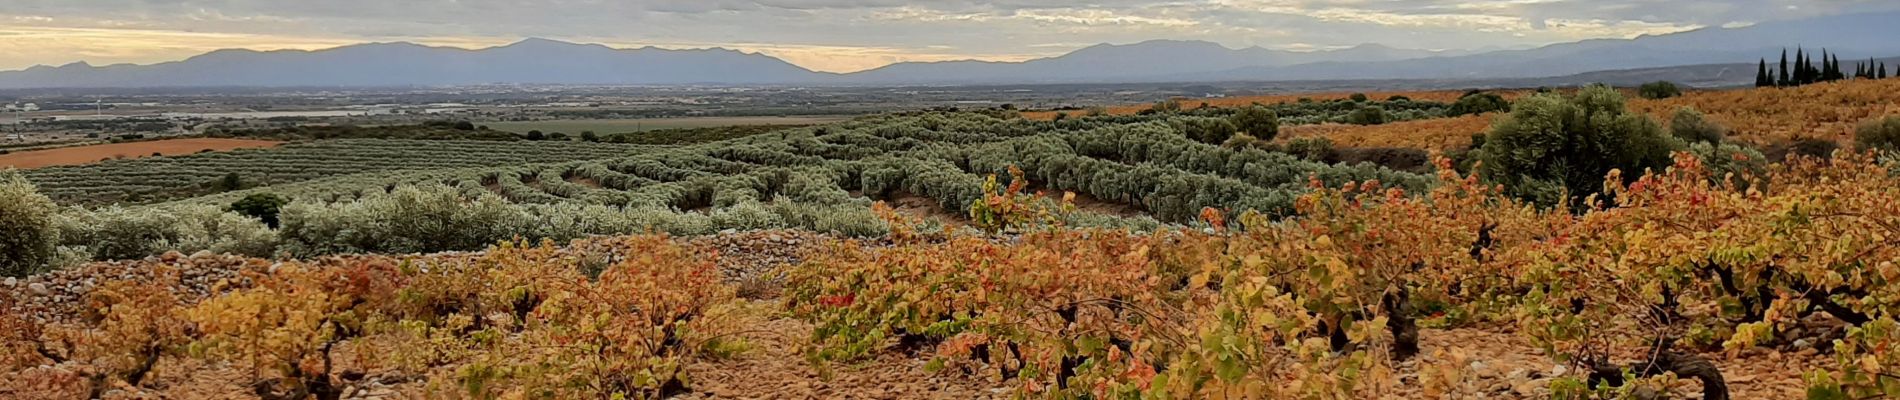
(1851, 37)
(1106, 63)
(537, 61)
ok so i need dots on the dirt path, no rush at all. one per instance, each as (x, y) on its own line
(96, 153)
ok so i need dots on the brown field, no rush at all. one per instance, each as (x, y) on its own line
(95, 153)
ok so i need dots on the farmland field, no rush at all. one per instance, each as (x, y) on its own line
(95, 153)
(604, 126)
(1439, 246)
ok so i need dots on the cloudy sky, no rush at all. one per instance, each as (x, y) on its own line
(849, 35)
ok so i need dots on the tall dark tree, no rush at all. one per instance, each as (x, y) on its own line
(1784, 81)
(1761, 75)
(1800, 67)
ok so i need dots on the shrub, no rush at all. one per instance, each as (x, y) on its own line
(1659, 90)
(1478, 103)
(1372, 115)
(1208, 130)
(1244, 141)
(1398, 158)
(536, 135)
(119, 233)
(1690, 126)
(27, 230)
(1804, 147)
(263, 206)
(1257, 121)
(1315, 149)
(1730, 163)
(412, 219)
(1551, 149)
(1881, 134)
(747, 216)
(1359, 97)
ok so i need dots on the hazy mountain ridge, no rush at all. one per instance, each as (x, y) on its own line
(540, 61)
(405, 64)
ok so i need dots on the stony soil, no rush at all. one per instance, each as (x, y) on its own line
(1495, 363)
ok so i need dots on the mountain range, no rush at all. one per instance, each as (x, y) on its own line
(541, 61)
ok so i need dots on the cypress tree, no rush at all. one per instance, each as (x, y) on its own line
(1834, 69)
(1800, 67)
(1761, 75)
(1827, 68)
(1784, 69)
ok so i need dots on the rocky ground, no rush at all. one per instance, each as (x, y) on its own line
(1491, 363)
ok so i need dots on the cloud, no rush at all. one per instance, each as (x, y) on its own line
(846, 35)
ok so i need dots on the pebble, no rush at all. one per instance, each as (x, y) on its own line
(38, 289)
(12, 281)
(1803, 344)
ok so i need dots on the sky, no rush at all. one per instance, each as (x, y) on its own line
(850, 35)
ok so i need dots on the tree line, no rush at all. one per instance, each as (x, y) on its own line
(1804, 72)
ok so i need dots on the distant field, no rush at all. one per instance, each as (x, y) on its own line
(95, 153)
(604, 126)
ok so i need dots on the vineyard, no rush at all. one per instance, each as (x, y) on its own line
(1672, 287)
(1169, 253)
(154, 178)
(403, 196)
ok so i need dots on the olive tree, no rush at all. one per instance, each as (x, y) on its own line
(1881, 134)
(27, 230)
(1692, 127)
(1552, 149)
(1257, 121)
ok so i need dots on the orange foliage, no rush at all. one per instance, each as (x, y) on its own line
(1770, 115)
(1429, 134)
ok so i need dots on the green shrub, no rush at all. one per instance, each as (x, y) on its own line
(1313, 149)
(1692, 127)
(1477, 103)
(1359, 98)
(1367, 116)
(1397, 158)
(1552, 149)
(1730, 163)
(1659, 90)
(1256, 121)
(1208, 130)
(119, 233)
(747, 216)
(27, 227)
(1880, 134)
(263, 206)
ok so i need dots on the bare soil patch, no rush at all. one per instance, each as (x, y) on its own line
(90, 154)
